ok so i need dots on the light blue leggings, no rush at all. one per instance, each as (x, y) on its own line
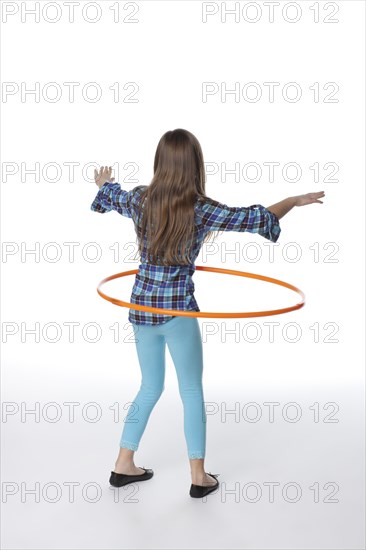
(183, 337)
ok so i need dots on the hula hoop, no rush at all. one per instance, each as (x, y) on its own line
(182, 313)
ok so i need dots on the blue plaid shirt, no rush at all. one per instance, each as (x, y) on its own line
(172, 287)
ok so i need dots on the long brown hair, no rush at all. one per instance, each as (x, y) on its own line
(167, 219)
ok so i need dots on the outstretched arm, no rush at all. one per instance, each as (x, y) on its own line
(281, 208)
(110, 195)
(217, 216)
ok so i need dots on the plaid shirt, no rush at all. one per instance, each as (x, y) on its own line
(171, 287)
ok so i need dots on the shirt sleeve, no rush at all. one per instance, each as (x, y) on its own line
(111, 197)
(217, 216)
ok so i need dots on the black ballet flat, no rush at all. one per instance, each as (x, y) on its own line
(118, 480)
(200, 491)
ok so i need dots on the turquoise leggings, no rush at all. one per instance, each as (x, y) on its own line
(183, 337)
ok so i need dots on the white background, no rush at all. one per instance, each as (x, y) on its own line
(170, 52)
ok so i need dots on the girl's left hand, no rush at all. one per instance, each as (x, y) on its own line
(103, 176)
(309, 198)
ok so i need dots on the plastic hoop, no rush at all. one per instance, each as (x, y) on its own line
(183, 313)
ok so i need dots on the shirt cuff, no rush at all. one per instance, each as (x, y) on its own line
(96, 205)
(274, 228)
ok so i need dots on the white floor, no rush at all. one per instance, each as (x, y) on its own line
(320, 465)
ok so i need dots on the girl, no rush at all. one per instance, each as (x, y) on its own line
(173, 217)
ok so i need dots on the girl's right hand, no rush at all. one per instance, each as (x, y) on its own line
(309, 198)
(103, 176)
